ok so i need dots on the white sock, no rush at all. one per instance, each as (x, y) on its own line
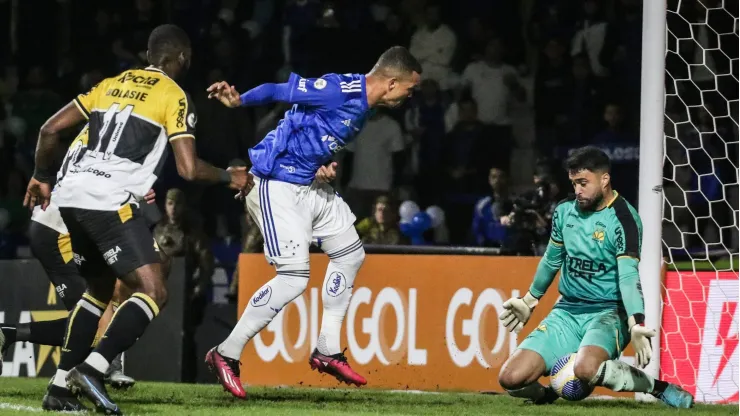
(98, 362)
(60, 378)
(620, 376)
(344, 263)
(289, 283)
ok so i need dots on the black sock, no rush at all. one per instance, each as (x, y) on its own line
(659, 386)
(82, 325)
(11, 333)
(43, 332)
(128, 324)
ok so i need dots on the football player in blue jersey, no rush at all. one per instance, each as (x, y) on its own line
(293, 208)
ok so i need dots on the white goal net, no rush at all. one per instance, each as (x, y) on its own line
(699, 343)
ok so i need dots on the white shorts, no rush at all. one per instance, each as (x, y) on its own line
(51, 218)
(291, 217)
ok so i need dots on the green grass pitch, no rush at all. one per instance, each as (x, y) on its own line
(23, 396)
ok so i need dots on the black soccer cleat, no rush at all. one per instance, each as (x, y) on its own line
(549, 397)
(58, 399)
(90, 383)
(115, 376)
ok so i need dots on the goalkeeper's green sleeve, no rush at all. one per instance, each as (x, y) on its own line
(547, 269)
(629, 285)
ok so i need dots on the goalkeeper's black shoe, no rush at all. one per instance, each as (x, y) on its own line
(549, 397)
(59, 399)
(86, 381)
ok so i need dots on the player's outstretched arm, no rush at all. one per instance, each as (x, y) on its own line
(263, 94)
(317, 92)
(191, 168)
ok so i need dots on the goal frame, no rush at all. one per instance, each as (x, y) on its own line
(652, 138)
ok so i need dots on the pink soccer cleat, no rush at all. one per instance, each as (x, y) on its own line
(227, 372)
(337, 366)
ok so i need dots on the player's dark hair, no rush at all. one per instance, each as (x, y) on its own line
(588, 158)
(397, 61)
(166, 43)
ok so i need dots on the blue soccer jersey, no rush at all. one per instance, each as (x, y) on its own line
(327, 114)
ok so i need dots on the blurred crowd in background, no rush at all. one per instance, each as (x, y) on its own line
(509, 87)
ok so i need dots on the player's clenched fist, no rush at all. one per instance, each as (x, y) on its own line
(326, 174)
(241, 179)
(518, 311)
(641, 339)
(225, 93)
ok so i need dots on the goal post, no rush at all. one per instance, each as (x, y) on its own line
(650, 195)
(688, 193)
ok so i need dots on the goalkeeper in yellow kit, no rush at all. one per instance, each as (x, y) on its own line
(595, 244)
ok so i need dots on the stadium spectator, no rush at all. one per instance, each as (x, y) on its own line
(589, 37)
(382, 226)
(490, 226)
(585, 97)
(373, 163)
(425, 122)
(299, 18)
(494, 85)
(434, 44)
(551, 92)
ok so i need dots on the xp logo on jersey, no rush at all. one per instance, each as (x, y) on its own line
(482, 321)
(336, 284)
(192, 120)
(262, 297)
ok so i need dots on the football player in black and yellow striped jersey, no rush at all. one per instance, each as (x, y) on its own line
(133, 116)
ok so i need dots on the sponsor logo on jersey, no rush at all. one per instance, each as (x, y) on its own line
(334, 145)
(319, 84)
(96, 172)
(290, 169)
(302, 85)
(111, 256)
(619, 240)
(584, 268)
(181, 113)
(192, 119)
(78, 259)
(138, 79)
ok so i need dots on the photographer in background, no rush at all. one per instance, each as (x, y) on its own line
(531, 215)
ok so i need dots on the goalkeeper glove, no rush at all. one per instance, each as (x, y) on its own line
(518, 311)
(641, 339)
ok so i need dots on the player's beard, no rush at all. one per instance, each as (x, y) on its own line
(591, 203)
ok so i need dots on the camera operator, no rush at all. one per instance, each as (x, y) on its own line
(531, 215)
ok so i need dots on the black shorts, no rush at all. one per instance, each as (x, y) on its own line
(110, 243)
(54, 252)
